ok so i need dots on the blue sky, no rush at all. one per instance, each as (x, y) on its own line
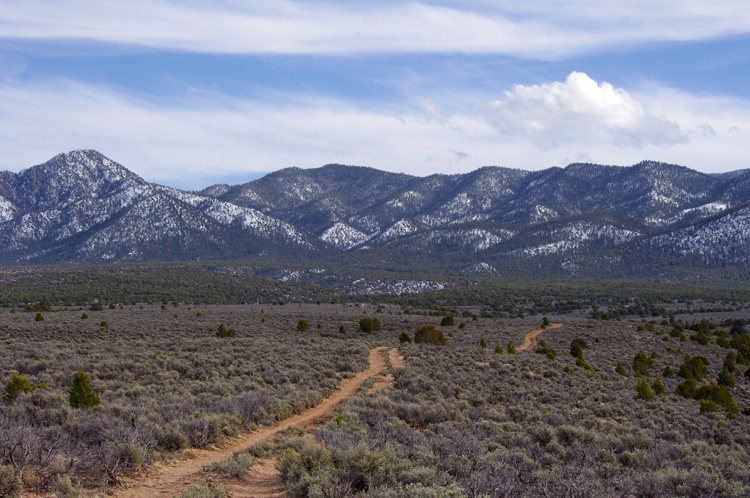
(193, 93)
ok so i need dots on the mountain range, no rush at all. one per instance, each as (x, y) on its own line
(83, 207)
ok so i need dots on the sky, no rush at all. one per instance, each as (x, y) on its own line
(191, 93)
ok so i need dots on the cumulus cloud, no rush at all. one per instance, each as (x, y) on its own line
(579, 110)
(305, 27)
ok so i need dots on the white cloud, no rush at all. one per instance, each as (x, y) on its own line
(579, 110)
(543, 29)
(202, 138)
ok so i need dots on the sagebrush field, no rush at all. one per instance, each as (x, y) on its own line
(469, 418)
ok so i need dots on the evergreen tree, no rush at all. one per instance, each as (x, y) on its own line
(15, 386)
(82, 395)
(620, 369)
(644, 391)
(725, 379)
(511, 349)
(658, 387)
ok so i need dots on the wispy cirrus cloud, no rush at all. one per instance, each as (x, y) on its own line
(200, 138)
(544, 30)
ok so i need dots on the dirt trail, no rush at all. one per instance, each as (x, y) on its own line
(398, 362)
(262, 480)
(529, 341)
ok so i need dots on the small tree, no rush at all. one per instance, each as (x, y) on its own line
(303, 326)
(404, 338)
(658, 387)
(693, 368)
(668, 372)
(15, 386)
(342, 329)
(641, 362)
(545, 322)
(498, 349)
(575, 350)
(82, 395)
(447, 321)
(483, 343)
(644, 391)
(38, 318)
(725, 379)
(620, 369)
(84, 316)
(224, 332)
(429, 334)
(511, 349)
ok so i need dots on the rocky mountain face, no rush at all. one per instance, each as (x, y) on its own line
(84, 207)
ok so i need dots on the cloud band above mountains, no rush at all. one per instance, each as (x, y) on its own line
(545, 30)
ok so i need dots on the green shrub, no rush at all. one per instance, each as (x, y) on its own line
(10, 483)
(498, 349)
(418, 490)
(64, 488)
(369, 325)
(483, 343)
(38, 318)
(668, 372)
(81, 394)
(224, 332)
(686, 389)
(15, 386)
(719, 395)
(303, 326)
(730, 362)
(84, 316)
(581, 363)
(342, 329)
(430, 335)
(644, 391)
(700, 338)
(203, 489)
(725, 379)
(511, 349)
(96, 307)
(708, 406)
(658, 387)
(641, 362)
(693, 368)
(404, 338)
(236, 466)
(447, 321)
(549, 352)
(545, 322)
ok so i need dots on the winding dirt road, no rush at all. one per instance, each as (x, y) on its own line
(529, 341)
(261, 480)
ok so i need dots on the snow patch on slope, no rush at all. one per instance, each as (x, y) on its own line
(342, 236)
(7, 210)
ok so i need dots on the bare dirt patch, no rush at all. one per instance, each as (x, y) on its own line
(529, 341)
(175, 478)
(387, 380)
